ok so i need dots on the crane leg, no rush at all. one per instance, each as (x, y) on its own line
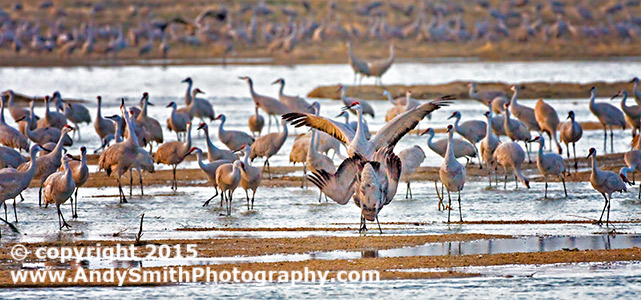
(607, 220)
(320, 196)
(460, 213)
(605, 139)
(565, 190)
(175, 185)
(5, 210)
(379, 225)
(64, 223)
(247, 196)
(440, 197)
(15, 213)
(516, 182)
(599, 222)
(576, 163)
(449, 203)
(212, 197)
(40, 194)
(131, 183)
(363, 225)
(639, 197)
(142, 190)
(611, 140)
(546, 188)
(75, 210)
(253, 195)
(489, 175)
(407, 190)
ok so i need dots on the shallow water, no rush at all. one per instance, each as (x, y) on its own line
(562, 281)
(102, 217)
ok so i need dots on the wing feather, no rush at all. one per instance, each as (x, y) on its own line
(398, 127)
(339, 186)
(340, 131)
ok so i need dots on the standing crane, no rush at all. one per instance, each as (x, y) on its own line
(608, 115)
(571, 132)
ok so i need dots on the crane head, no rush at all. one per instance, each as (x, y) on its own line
(99, 98)
(83, 150)
(340, 87)
(172, 103)
(279, 80)
(218, 117)
(198, 91)
(455, 114)
(202, 125)
(619, 93)
(46, 98)
(570, 114)
(67, 128)
(487, 113)
(592, 152)
(449, 128)
(593, 89)
(145, 95)
(634, 80)
(188, 79)
(429, 130)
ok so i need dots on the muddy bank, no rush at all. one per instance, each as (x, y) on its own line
(459, 89)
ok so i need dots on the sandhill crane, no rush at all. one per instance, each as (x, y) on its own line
(497, 125)
(177, 122)
(104, 127)
(30, 115)
(349, 101)
(517, 131)
(608, 115)
(372, 183)
(635, 90)
(411, 159)
(16, 111)
(268, 145)
(173, 153)
(571, 132)
(52, 118)
(213, 152)
(271, 106)
(633, 163)
(80, 174)
(256, 122)
(632, 113)
(202, 107)
(59, 187)
(150, 124)
(378, 67)
(294, 103)
(10, 136)
(488, 145)
(356, 142)
(120, 157)
(511, 155)
(548, 121)
(523, 113)
(462, 148)
(452, 173)
(144, 162)
(550, 164)
(472, 130)
(359, 66)
(233, 139)
(44, 135)
(250, 176)
(10, 158)
(353, 125)
(606, 183)
(316, 161)
(401, 105)
(210, 171)
(495, 100)
(13, 182)
(74, 112)
(228, 178)
(47, 164)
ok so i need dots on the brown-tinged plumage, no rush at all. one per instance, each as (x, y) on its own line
(173, 153)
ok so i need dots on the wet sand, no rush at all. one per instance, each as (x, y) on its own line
(459, 89)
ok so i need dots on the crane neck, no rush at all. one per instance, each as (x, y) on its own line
(390, 99)
(449, 153)
(188, 96)
(83, 158)
(284, 133)
(282, 88)
(143, 113)
(312, 146)
(515, 96)
(251, 87)
(199, 155)
(246, 157)
(99, 114)
(623, 100)
(188, 142)
(592, 98)
(2, 110)
(541, 146)
(132, 138)
(220, 127)
(210, 145)
(57, 151)
(346, 115)
(32, 168)
(359, 124)
(430, 137)
(117, 135)
(595, 169)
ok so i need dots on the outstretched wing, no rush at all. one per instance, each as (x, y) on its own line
(338, 130)
(339, 186)
(398, 127)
